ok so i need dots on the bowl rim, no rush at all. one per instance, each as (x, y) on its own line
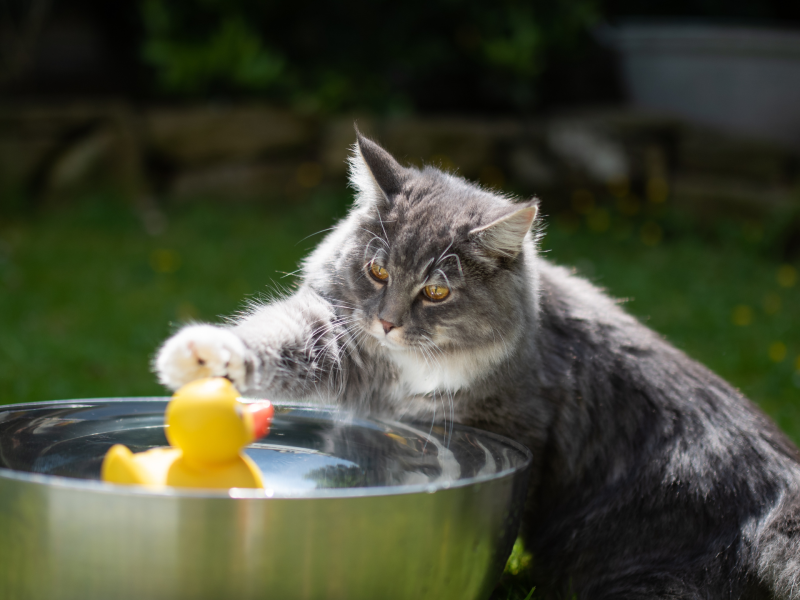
(101, 487)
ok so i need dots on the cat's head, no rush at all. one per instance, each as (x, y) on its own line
(431, 262)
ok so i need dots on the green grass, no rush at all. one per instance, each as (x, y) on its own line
(86, 296)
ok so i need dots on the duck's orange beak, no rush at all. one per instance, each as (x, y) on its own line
(262, 417)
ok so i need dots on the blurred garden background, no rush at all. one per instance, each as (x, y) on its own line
(168, 161)
(163, 162)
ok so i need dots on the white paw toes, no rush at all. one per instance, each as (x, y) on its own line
(201, 351)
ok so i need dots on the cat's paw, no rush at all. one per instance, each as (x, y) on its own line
(200, 351)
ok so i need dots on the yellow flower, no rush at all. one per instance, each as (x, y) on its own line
(777, 351)
(742, 315)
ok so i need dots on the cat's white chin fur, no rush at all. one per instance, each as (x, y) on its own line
(198, 351)
(442, 372)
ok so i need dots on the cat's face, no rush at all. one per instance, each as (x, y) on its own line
(411, 285)
(425, 273)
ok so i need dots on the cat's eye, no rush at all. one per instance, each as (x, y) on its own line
(378, 272)
(436, 293)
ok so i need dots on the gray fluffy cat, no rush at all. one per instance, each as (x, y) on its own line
(652, 477)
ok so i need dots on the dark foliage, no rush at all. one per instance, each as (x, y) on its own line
(447, 54)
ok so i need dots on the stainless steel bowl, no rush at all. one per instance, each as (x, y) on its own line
(356, 508)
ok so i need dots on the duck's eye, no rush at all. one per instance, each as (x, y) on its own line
(436, 293)
(378, 272)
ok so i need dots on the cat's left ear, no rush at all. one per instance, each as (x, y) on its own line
(503, 237)
(375, 172)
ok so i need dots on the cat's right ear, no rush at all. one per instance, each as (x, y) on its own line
(375, 174)
(503, 237)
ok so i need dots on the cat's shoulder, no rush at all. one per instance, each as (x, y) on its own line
(564, 291)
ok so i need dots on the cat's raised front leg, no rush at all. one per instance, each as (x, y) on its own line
(291, 349)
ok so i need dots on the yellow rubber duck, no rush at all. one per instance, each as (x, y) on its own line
(207, 426)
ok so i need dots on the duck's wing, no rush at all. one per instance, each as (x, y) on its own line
(119, 467)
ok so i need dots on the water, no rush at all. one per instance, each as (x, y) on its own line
(307, 448)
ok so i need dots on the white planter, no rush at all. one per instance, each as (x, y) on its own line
(742, 79)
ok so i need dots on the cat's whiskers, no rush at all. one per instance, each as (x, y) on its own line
(355, 326)
(369, 246)
(446, 280)
(424, 270)
(341, 305)
(429, 357)
(421, 350)
(362, 274)
(385, 235)
(376, 236)
(331, 350)
(433, 421)
(316, 233)
(445, 251)
(348, 346)
(351, 332)
(458, 262)
(435, 350)
(359, 338)
(339, 351)
(444, 256)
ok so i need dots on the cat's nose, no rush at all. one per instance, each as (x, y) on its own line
(387, 327)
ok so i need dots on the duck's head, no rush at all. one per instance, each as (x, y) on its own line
(207, 421)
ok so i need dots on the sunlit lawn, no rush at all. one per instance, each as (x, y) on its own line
(86, 295)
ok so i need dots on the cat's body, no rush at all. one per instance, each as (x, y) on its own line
(652, 478)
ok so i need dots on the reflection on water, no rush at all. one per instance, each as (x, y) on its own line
(306, 449)
(293, 470)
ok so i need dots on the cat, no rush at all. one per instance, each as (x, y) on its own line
(652, 477)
